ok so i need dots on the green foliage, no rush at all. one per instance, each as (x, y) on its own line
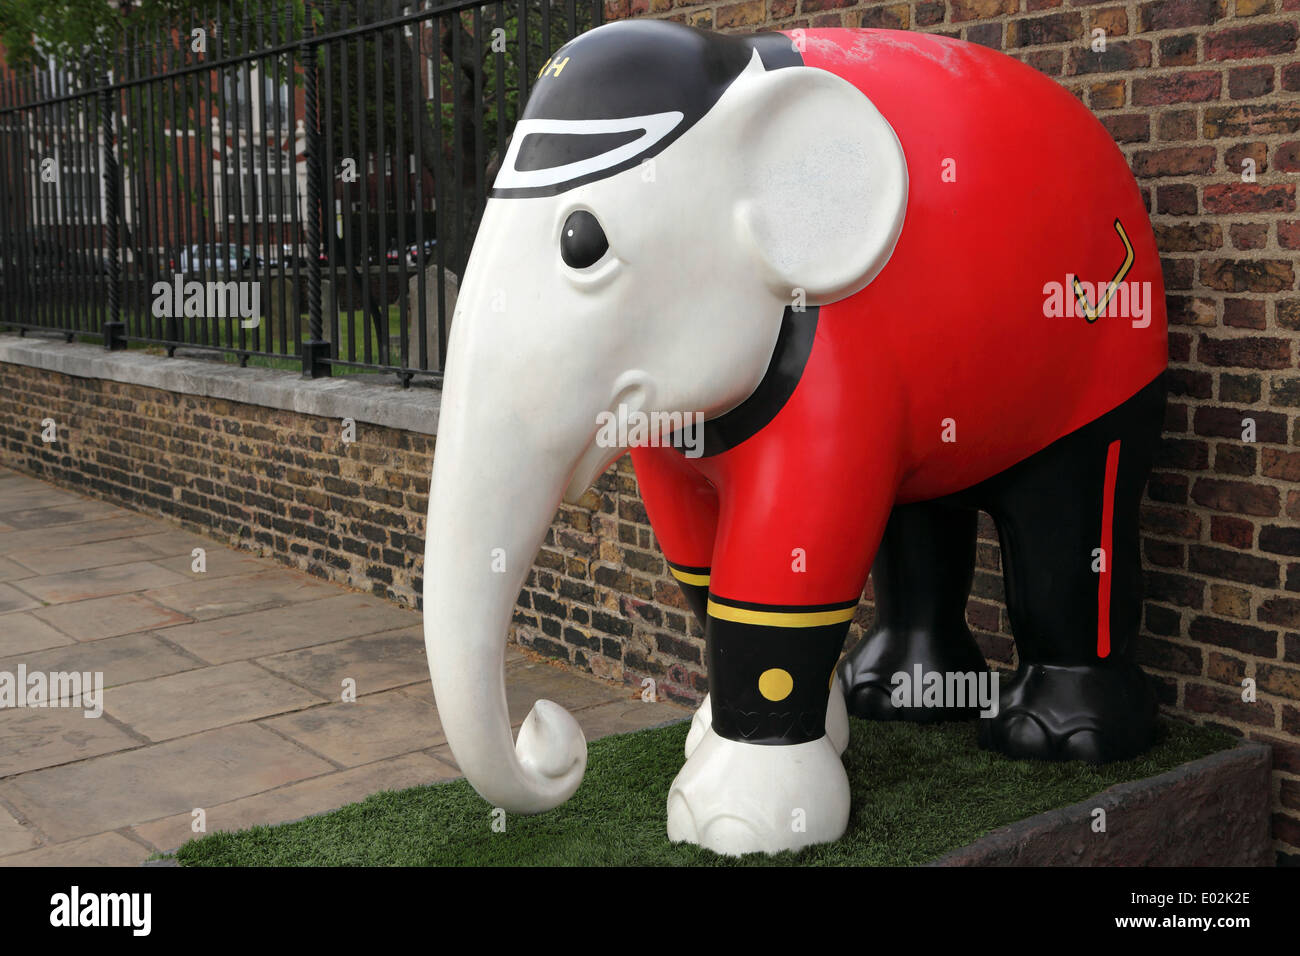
(918, 792)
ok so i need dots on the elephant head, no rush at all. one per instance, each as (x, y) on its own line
(666, 195)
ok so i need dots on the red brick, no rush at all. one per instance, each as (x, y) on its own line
(962, 10)
(1173, 521)
(1281, 610)
(1177, 125)
(1178, 50)
(1288, 313)
(1255, 641)
(1118, 56)
(1174, 161)
(1248, 275)
(1245, 236)
(1190, 87)
(1288, 234)
(1049, 62)
(1276, 539)
(1284, 465)
(894, 17)
(1255, 120)
(1252, 352)
(1128, 127)
(1189, 237)
(1237, 497)
(1257, 40)
(1291, 77)
(1174, 589)
(928, 14)
(1234, 566)
(1237, 532)
(1285, 391)
(1176, 200)
(1191, 310)
(1248, 82)
(985, 34)
(1243, 390)
(1250, 197)
(1286, 156)
(1244, 313)
(1206, 699)
(1172, 14)
(1234, 157)
(1046, 30)
(751, 12)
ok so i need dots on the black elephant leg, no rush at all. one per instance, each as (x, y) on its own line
(1068, 521)
(922, 577)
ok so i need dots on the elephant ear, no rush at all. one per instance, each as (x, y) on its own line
(823, 181)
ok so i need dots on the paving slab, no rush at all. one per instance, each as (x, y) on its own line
(14, 837)
(120, 524)
(23, 631)
(375, 662)
(24, 517)
(201, 770)
(367, 729)
(261, 633)
(99, 554)
(122, 660)
(197, 700)
(298, 800)
(104, 849)
(12, 599)
(625, 716)
(219, 563)
(11, 570)
(220, 597)
(35, 737)
(99, 582)
(529, 681)
(99, 618)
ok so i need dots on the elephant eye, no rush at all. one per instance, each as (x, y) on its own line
(582, 241)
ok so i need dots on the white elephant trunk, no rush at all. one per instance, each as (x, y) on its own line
(493, 495)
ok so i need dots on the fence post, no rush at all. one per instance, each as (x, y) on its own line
(316, 350)
(114, 328)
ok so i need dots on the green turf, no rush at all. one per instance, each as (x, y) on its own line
(917, 793)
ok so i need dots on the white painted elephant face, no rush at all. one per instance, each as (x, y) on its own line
(666, 196)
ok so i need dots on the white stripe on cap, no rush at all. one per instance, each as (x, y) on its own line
(655, 127)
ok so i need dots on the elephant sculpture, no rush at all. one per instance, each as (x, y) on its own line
(869, 282)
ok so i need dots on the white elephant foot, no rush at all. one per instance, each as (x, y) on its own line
(837, 722)
(735, 798)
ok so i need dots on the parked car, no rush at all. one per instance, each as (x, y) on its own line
(415, 257)
(222, 257)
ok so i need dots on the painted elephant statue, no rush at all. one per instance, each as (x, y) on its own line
(839, 290)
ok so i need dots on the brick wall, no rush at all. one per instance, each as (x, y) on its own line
(1188, 88)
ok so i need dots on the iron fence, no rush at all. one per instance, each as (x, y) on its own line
(279, 182)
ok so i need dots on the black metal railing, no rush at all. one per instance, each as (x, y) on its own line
(287, 183)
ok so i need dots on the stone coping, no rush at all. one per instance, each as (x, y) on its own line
(1209, 812)
(350, 396)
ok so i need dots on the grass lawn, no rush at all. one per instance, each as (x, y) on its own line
(918, 792)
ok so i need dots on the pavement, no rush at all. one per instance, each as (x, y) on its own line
(224, 686)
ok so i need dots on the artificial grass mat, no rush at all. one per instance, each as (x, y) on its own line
(918, 792)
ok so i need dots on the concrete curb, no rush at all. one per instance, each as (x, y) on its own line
(375, 403)
(1210, 812)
